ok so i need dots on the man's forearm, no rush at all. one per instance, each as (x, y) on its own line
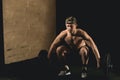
(51, 50)
(95, 49)
(96, 53)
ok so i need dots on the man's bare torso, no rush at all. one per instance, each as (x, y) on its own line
(74, 39)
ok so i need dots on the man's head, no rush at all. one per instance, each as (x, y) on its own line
(71, 20)
(71, 23)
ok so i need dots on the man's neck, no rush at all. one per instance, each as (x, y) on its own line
(73, 32)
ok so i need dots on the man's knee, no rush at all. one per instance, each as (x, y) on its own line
(61, 51)
(84, 50)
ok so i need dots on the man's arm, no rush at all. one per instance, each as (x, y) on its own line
(55, 43)
(91, 44)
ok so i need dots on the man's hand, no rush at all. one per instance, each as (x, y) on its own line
(98, 64)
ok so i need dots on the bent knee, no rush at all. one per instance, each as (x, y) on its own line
(61, 50)
(84, 50)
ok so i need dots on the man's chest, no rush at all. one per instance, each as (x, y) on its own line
(73, 39)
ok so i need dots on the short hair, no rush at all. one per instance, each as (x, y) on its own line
(71, 20)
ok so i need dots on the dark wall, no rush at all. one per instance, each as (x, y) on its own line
(1, 36)
(99, 18)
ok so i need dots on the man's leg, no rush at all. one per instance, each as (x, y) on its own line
(85, 58)
(61, 54)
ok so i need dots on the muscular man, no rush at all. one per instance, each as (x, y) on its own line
(73, 39)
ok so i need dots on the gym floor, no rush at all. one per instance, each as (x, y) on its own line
(39, 69)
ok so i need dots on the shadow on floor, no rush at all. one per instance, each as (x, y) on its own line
(39, 69)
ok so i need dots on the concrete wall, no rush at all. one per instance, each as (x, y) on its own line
(28, 26)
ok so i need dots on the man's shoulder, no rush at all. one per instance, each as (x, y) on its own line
(82, 31)
(63, 31)
(79, 29)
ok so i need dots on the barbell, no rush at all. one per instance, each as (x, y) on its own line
(107, 64)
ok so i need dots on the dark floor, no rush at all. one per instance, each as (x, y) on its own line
(39, 69)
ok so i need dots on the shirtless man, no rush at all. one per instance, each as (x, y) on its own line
(73, 39)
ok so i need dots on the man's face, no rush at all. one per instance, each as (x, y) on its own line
(70, 27)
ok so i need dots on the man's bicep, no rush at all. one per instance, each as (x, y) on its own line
(58, 39)
(83, 34)
(86, 36)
